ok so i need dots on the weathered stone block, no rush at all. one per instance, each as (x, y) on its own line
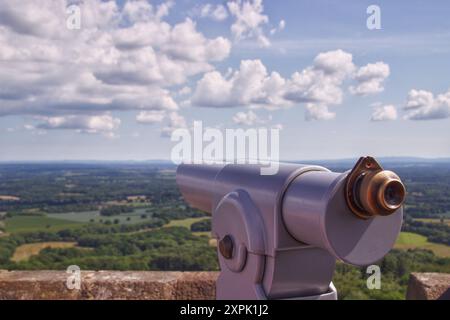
(108, 285)
(428, 286)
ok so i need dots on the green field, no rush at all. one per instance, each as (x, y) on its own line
(84, 216)
(34, 223)
(408, 240)
(25, 251)
(202, 233)
(184, 222)
(59, 221)
(87, 216)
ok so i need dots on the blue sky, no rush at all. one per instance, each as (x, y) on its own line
(111, 89)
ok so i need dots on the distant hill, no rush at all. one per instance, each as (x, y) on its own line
(346, 162)
(384, 161)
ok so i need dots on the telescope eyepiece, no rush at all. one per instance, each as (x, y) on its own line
(392, 194)
(372, 191)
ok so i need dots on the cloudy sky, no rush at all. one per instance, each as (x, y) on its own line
(115, 88)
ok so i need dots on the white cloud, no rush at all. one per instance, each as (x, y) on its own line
(187, 44)
(337, 62)
(318, 112)
(186, 103)
(423, 105)
(150, 117)
(250, 118)
(250, 85)
(175, 121)
(321, 83)
(215, 12)
(28, 127)
(249, 21)
(246, 118)
(280, 27)
(370, 78)
(185, 91)
(137, 10)
(16, 15)
(88, 124)
(318, 86)
(384, 113)
(122, 58)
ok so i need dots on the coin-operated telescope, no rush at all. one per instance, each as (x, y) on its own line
(279, 235)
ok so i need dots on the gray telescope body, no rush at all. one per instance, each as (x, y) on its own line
(279, 235)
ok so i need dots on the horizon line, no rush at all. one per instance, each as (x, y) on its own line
(398, 158)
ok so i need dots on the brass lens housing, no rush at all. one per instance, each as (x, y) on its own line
(372, 191)
(392, 194)
(381, 193)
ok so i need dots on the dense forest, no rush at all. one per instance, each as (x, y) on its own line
(106, 248)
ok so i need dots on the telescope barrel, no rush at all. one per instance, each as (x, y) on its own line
(356, 216)
(196, 184)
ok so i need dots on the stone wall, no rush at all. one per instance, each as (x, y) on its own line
(153, 285)
(428, 286)
(108, 285)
